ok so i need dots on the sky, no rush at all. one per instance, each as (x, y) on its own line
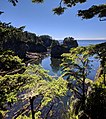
(39, 19)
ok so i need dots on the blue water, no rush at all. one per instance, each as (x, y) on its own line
(89, 42)
(52, 65)
(53, 69)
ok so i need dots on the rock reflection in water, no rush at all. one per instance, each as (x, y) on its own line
(55, 65)
(52, 65)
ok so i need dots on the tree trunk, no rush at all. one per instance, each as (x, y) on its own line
(32, 108)
(83, 90)
(103, 67)
(104, 78)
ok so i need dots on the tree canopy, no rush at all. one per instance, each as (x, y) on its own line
(95, 10)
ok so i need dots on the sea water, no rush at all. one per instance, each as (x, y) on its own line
(53, 65)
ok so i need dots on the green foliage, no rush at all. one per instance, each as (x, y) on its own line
(49, 90)
(59, 10)
(54, 43)
(2, 114)
(20, 41)
(14, 2)
(7, 30)
(99, 51)
(78, 57)
(33, 82)
(46, 40)
(76, 63)
(23, 117)
(100, 81)
(76, 67)
(94, 10)
(37, 1)
(96, 102)
(11, 85)
(9, 33)
(39, 71)
(8, 61)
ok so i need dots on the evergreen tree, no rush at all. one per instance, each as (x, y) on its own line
(95, 10)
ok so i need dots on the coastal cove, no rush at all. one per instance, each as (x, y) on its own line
(52, 65)
(53, 59)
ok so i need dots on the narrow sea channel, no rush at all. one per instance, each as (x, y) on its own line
(53, 65)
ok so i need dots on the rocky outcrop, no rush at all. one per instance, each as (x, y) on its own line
(69, 42)
(57, 51)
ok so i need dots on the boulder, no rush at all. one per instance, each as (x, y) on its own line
(57, 51)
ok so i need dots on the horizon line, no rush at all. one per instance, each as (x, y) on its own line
(83, 38)
(90, 38)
